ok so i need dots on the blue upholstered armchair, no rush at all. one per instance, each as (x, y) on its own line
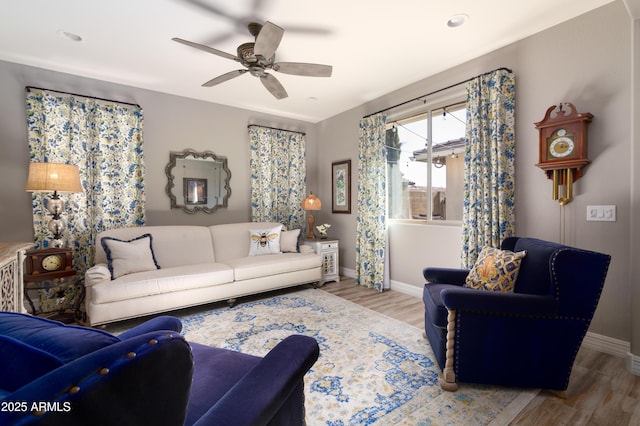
(53, 374)
(526, 338)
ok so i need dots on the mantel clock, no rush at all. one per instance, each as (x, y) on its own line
(46, 264)
(563, 148)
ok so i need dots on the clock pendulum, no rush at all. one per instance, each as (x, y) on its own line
(563, 148)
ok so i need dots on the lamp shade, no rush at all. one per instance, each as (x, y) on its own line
(311, 203)
(52, 177)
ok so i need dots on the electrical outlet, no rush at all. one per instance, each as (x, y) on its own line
(601, 213)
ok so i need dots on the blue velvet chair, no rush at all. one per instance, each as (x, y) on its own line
(528, 338)
(54, 374)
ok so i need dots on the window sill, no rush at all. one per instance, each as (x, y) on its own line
(424, 222)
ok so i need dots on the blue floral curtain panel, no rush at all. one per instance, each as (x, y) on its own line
(104, 140)
(278, 176)
(371, 221)
(489, 189)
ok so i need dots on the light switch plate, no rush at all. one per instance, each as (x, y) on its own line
(601, 213)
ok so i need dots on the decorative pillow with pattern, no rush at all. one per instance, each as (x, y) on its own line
(264, 241)
(127, 257)
(495, 270)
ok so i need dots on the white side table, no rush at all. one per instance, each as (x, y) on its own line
(328, 249)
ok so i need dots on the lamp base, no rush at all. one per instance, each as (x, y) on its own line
(310, 222)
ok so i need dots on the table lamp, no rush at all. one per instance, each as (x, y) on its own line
(54, 177)
(309, 204)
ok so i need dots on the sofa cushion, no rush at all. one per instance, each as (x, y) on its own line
(435, 311)
(174, 245)
(22, 363)
(160, 281)
(231, 241)
(259, 266)
(64, 342)
(217, 370)
(495, 270)
(129, 256)
(264, 241)
(290, 241)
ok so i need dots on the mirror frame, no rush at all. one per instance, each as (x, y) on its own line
(191, 209)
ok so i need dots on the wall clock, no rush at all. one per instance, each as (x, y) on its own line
(563, 148)
(46, 264)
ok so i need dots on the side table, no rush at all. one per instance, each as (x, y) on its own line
(59, 299)
(328, 249)
(12, 257)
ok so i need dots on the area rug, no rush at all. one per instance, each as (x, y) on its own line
(372, 369)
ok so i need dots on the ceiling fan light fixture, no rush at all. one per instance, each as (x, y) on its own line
(457, 20)
(258, 57)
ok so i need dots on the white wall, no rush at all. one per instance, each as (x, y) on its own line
(586, 61)
(171, 123)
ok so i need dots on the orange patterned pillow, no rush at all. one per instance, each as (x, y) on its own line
(495, 270)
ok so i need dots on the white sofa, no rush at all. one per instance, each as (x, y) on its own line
(197, 265)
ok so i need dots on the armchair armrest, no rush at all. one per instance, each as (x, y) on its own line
(131, 375)
(445, 275)
(96, 274)
(493, 302)
(270, 383)
(162, 322)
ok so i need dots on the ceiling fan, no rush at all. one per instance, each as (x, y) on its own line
(259, 57)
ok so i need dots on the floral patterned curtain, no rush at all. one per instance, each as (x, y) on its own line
(278, 176)
(104, 140)
(371, 221)
(489, 189)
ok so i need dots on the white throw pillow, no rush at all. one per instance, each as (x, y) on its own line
(127, 257)
(264, 241)
(290, 241)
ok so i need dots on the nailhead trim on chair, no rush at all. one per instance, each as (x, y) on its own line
(103, 371)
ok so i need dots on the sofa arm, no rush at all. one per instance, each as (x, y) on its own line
(162, 322)
(445, 275)
(97, 274)
(270, 383)
(498, 303)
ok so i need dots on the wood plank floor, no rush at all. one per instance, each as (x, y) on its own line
(601, 391)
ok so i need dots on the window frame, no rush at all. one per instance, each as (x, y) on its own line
(451, 98)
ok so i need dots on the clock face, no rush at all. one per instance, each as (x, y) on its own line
(51, 262)
(561, 145)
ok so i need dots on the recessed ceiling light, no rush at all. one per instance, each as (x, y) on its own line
(70, 36)
(457, 20)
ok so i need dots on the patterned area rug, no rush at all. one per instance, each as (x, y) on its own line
(372, 369)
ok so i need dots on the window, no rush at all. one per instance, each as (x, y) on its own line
(426, 180)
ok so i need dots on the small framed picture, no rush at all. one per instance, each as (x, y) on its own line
(195, 191)
(341, 186)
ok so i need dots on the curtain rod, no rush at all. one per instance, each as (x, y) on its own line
(275, 128)
(30, 88)
(436, 91)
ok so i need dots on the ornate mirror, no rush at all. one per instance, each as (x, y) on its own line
(197, 181)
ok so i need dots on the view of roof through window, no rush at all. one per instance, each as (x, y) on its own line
(448, 139)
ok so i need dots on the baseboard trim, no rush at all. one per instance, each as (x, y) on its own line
(351, 273)
(606, 344)
(633, 364)
(405, 288)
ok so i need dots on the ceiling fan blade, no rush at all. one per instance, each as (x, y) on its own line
(273, 85)
(224, 77)
(301, 68)
(268, 40)
(207, 49)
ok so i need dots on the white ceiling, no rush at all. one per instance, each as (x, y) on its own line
(375, 46)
